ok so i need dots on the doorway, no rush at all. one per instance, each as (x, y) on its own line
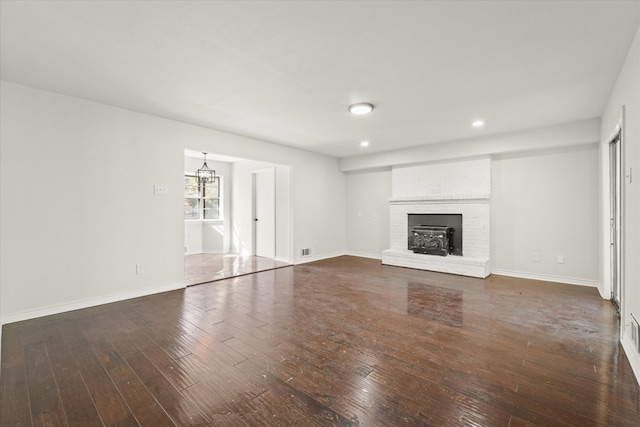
(615, 216)
(249, 190)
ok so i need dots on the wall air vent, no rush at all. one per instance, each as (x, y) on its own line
(635, 333)
(306, 252)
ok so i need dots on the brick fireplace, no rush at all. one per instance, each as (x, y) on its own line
(456, 189)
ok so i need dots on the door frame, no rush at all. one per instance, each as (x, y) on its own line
(607, 261)
(615, 217)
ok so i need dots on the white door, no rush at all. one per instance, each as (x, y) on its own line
(264, 213)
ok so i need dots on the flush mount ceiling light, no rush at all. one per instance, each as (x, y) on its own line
(205, 174)
(364, 143)
(360, 108)
(477, 123)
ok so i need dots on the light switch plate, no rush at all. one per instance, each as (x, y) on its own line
(160, 190)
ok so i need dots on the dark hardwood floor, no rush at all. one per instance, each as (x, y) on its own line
(342, 342)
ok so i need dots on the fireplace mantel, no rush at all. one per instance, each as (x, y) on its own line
(440, 198)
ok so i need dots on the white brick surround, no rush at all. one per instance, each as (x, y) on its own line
(449, 188)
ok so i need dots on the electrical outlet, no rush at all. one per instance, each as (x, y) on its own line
(139, 269)
(536, 257)
(560, 259)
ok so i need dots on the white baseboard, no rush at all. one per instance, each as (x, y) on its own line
(304, 260)
(77, 305)
(632, 355)
(547, 278)
(365, 255)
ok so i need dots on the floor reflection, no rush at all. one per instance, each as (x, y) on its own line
(204, 268)
(434, 303)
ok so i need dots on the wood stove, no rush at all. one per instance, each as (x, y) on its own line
(431, 239)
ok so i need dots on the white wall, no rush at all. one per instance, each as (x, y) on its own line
(627, 93)
(93, 217)
(77, 205)
(210, 236)
(367, 213)
(546, 203)
(284, 218)
(320, 210)
(192, 237)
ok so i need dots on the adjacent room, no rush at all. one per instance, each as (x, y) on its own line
(213, 249)
(320, 213)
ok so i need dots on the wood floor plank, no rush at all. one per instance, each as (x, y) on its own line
(272, 366)
(179, 375)
(315, 413)
(339, 342)
(226, 377)
(14, 397)
(212, 406)
(15, 407)
(143, 405)
(46, 407)
(267, 410)
(13, 350)
(75, 398)
(534, 410)
(110, 405)
(181, 411)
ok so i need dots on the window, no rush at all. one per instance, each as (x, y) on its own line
(201, 201)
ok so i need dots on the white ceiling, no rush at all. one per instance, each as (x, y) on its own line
(285, 71)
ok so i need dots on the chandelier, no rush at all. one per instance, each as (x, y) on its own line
(205, 174)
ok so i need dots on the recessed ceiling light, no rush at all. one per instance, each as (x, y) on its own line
(360, 108)
(364, 143)
(477, 123)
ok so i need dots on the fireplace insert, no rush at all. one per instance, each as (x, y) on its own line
(431, 239)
